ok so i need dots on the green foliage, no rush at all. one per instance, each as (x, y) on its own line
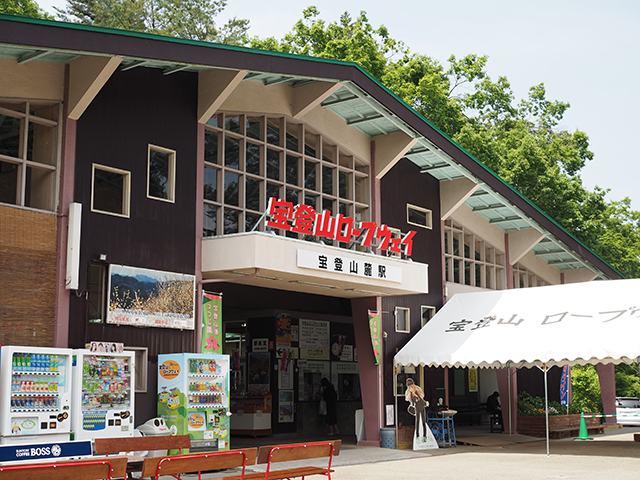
(627, 380)
(585, 388)
(521, 142)
(529, 406)
(348, 40)
(190, 19)
(25, 8)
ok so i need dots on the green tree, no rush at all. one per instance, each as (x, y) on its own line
(521, 142)
(348, 40)
(190, 19)
(25, 8)
(585, 388)
(627, 380)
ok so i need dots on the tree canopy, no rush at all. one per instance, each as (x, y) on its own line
(520, 141)
(25, 8)
(190, 19)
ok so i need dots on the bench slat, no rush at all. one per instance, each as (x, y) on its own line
(197, 462)
(64, 470)
(286, 454)
(286, 473)
(136, 444)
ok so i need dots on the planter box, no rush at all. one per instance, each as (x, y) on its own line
(536, 426)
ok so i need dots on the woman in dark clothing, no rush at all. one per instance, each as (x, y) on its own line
(330, 397)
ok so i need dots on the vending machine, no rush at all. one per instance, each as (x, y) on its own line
(35, 395)
(193, 398)
(103, 394)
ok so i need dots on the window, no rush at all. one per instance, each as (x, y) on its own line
(110, 192)
(402, 320)
(251, 158)
(426, 314)
(28, 154)
(97, 296)
(420, 217)
(522, 278)
(469, 260)
(161, 174)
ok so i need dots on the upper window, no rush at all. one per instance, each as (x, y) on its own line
(161, 173)
(110, 190)
(426, 314)
(402, 320)
(252, 158)
(28, 154)
(419, 216)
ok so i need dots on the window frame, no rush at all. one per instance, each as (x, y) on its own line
(126, 194)
(23, 163)
(171, 180)
(100, 302)
(407, 311)
(424, 308)
(428, 213)
(141, 372)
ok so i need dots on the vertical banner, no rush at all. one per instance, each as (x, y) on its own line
(564, 386)
(211, 323)
(375, 327)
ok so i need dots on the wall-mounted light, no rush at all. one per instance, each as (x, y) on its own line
(103, 257)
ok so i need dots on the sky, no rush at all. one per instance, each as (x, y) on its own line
(586, 52)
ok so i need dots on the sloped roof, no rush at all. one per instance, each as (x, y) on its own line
(362, 102)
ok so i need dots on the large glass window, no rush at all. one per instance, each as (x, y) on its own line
(251, 158)
(28, 154)
(469, 260)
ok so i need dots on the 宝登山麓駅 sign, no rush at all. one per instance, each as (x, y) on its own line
(305, 220)
(375, 327)
(211, 323)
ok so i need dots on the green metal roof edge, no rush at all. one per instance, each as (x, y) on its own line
(155, 36)
(129, 33)
(494, 174)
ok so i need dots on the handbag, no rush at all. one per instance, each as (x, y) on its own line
(322, 408)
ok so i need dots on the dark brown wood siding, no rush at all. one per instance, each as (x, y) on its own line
(134, 109)
(405, 184)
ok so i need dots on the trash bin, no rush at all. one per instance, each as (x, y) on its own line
(388, 437)
(156, 427)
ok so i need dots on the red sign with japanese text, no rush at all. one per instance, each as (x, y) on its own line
(304, 219)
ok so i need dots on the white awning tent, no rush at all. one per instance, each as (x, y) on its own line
(580, 323)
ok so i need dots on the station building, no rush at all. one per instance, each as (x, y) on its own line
(128, 149)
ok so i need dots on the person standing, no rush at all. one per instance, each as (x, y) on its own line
(330, 397)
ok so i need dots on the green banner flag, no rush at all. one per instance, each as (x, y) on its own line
(211, 323)
(375, 327)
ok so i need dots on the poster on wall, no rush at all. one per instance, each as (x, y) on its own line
(473, 379)
(314, 339)
(285, 373)
(150, 298)
(283, 331)
(285, 406)
(259, 366)
(211, 324)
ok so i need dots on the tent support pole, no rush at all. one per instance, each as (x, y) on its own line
(509, 393)
(395, 397)
(546, 405)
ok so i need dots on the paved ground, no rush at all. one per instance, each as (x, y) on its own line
(613, 455)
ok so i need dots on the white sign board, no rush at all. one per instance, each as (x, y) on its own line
(352, 265)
